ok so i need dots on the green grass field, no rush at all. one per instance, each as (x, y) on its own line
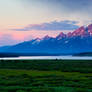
(45, 76)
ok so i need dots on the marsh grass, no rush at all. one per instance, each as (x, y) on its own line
(45, 76)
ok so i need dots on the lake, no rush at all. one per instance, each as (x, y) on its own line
(48, 57)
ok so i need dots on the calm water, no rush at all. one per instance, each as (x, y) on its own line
(50, 57)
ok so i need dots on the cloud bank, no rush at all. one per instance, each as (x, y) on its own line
(52, 26)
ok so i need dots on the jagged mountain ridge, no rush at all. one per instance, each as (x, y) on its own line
(77, 41)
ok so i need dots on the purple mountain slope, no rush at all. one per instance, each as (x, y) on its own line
(77, 41)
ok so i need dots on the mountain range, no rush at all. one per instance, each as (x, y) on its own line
(78, 41)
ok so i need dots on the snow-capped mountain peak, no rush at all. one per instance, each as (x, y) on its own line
(46, 37)
(81, 32)
(60, 36)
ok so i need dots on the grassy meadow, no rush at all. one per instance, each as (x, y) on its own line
(45, 76)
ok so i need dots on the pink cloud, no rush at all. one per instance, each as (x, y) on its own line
(9, 37)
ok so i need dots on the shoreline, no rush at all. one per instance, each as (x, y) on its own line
(48, 58)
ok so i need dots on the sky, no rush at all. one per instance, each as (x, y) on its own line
(22, 20)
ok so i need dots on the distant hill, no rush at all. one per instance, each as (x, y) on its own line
(8, 55)
(84, 54)
(78, 41)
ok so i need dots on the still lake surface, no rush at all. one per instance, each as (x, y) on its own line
(48, 57)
